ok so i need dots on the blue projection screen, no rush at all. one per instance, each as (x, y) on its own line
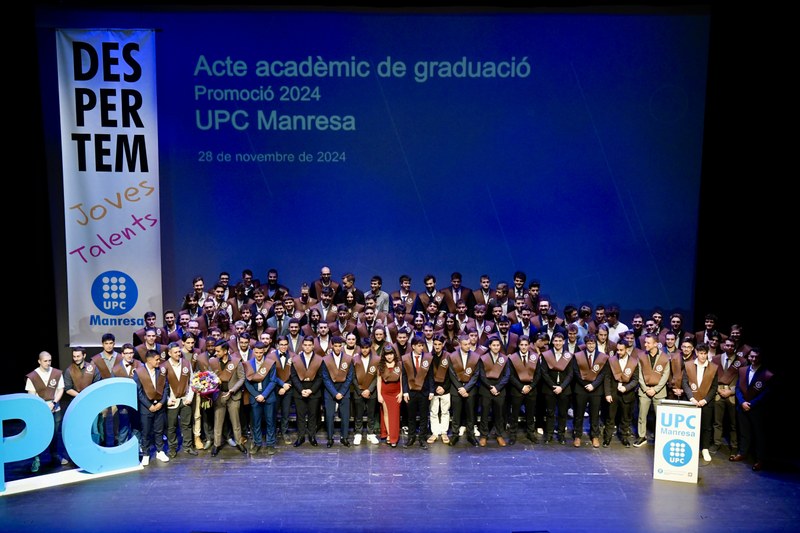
(567, 146)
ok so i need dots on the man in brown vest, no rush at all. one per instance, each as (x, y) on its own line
(463, 368)
(179, 404)
(493, 376)
(700, 386)
(79, 376)
(654, 372)
(337, 376)
(48, 383)
(524, 380)
(620, 389)
(129, 424)
(728, 363)
(417, 383)
(365, 383)
(307, 384)
(228, 401)
(283, 374)
(153, 392)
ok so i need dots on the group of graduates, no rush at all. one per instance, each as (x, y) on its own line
(440, 364)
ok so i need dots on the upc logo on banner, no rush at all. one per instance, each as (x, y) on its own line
(114, 292)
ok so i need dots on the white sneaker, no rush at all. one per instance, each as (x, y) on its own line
(706, 455)
(373, 439)
(476, 432)
(161, 456)
(357, 439)
(145, 460)
(232, 443)
(461, 431)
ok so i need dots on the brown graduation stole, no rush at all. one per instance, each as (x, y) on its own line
(464, 373)
(178, 386)
(100, 363)
(525, 371)
(653, 375)
(417, 378)
(391, 375)
(153, 393)
(200, 361)
(760, 380)
(550, 358)
(338, 374)
(306, 374)
(493, 370)
(119, 370)
(45, 391)
(257, 375)
(726, 377)
(366, 377)
(622, 375)
(440, 372)
(284, 372)
(700, 390)
(590, 373)
(81, 377)
(223, 373)
(676, 364)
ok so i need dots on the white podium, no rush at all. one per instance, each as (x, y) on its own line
(677, 449)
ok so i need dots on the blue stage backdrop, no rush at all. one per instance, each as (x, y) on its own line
(565, 145)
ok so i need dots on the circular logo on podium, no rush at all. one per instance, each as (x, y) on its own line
(677, 452)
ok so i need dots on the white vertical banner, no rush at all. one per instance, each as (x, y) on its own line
(677, 441)
(109, 150)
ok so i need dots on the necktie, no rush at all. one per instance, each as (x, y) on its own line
(524, 359)
(505, 342)
(590, 360)
(130, 369)
(416, 362)
(280, 325)
(725, 363)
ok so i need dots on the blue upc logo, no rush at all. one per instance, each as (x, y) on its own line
(114, 292)
(677, 452)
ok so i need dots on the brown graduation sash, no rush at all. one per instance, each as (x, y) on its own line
(338, 374)
(493, 370)
(119, 370)
(45, 391)
(418, 379)
(550, 358)
(726, 377)
(200, 361)
(100, 363)
(285, 372)
(223, 373)
(590, 373)
(81, 377)
(147, 383)
(440, 372)
(525, 371)
(391, 375)
(366, 377)
(464, 373)
(653, 375)
(257, 376)
(306, 374)
(622, 375)
(700, 391)
(178, 386)
(760, 381)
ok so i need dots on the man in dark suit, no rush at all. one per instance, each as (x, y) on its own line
(278, 324)
(348, 285)
(404, 293)
(463, 367)
(508, 340)
(337, 376)
(307, 385)
(557, 375)
(430, 294)
(324, 281)
(153, 393)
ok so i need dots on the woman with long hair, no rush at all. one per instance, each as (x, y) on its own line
(390, 395)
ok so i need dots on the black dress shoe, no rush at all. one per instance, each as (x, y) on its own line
(313, 441)
(471, 440)
(533, 437)
(299, 441)
(191, 451)
(562, 440)
(626, 443)
(329, 444)
(241, 448)
(758, 466)
(454, 440)
(736, 458)
(214, 451)
(346, 443)
(511, 441)
(423, 444)
(606, 443)
(410, 442)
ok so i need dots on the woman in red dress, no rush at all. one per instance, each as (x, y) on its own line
(390, 395)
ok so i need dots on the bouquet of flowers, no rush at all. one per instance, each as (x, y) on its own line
(206, 384)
